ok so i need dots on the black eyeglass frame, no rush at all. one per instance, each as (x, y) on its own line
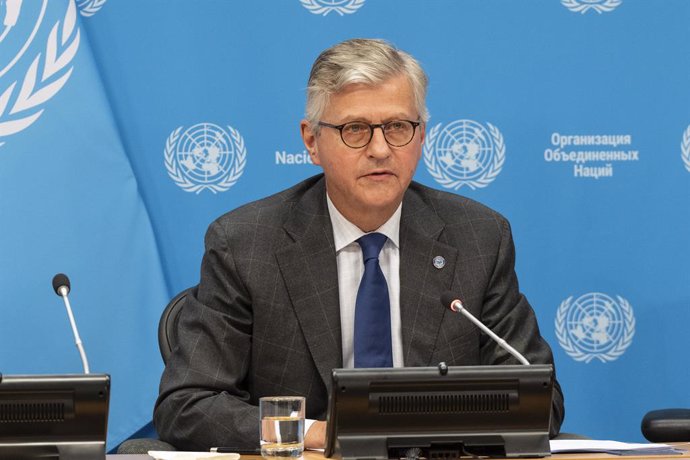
(372, 127)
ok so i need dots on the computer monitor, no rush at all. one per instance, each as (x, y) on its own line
(440, 412)
(54, 416)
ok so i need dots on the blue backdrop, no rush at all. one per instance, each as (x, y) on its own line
(127, 126)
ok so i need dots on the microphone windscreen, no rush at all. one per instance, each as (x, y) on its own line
(60, 280)
(447, 298)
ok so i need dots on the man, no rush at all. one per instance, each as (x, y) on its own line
(282, 289)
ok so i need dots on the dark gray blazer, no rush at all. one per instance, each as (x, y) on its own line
(264, 320)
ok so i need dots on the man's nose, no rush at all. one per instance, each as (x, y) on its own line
(378, 147)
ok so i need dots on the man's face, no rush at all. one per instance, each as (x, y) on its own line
(367, 184)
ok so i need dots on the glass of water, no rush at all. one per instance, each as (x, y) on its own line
(282, 426)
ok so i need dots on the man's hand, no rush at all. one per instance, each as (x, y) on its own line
(315, 438)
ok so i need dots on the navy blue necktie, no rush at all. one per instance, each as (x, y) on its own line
(372, 341)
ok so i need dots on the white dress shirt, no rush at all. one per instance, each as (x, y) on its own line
(351, 269)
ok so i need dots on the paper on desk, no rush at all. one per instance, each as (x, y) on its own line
(591, 445)
(172, 455)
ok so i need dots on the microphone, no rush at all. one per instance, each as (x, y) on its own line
(449, 300)
(61, 286)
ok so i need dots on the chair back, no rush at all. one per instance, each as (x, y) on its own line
(167, 327)
(667, 425)
(167, 337)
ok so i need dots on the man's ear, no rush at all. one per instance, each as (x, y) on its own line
(309, 139)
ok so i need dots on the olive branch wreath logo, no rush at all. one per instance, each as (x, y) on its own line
(88, 8)
(570, 346)
(685, 148)
(317, 8)
(442, 178)
(578, 6)
(43, 79)
(178, 176)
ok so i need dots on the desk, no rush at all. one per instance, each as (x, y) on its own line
(319, 456)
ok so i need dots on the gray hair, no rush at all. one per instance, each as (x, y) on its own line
(367, 61)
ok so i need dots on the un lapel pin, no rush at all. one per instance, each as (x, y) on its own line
(439, 262)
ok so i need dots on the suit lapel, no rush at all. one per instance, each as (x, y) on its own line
(421, 282)
(308, 266)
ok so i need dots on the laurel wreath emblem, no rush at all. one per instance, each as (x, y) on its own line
(90, 7)
(317, 8)
(685, 148)
(577, 354)
(176, 174)
(442, 178)
(578, 6)
(35, 91)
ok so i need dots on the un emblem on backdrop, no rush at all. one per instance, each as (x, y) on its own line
(583, 6)
(33, 71)
(323, 7)
(90, 7)
(205, 157)
(595, 326)
(464, 153)
(685, 149)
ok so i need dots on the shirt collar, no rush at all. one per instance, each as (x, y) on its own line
(346, 233)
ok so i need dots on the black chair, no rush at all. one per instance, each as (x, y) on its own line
(167, 336)
(167, 327)
(667, 425)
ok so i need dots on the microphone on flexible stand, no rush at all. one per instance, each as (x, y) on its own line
(449, 300)
(61, 286)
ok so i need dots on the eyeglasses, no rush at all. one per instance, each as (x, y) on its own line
(358, 134)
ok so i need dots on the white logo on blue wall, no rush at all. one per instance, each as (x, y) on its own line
(595, 326)
(685, 148)
(583, 6)
(44, 67)
(205, 157)
(9, 10)
(464, 153)
(90, 7)
(323, 7)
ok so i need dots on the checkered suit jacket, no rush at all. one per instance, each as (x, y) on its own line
(264, 319)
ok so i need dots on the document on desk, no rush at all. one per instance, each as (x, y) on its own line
(611, 447)
(173, 455)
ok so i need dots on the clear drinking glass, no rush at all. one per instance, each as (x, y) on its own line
(282, 426)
